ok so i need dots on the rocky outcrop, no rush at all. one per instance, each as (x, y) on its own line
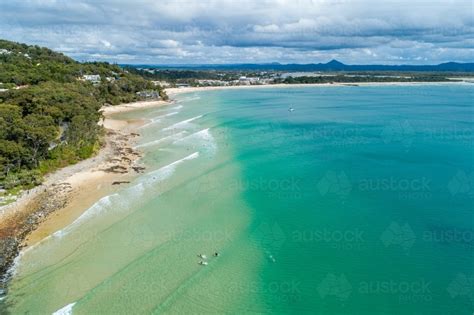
(21, 224)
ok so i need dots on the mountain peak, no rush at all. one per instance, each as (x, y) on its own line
(335, 62)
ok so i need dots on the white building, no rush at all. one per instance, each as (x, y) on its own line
(248, 81)
(182, 85)
(161, 83)
(149, 94)
(93, 78)
(212, 82)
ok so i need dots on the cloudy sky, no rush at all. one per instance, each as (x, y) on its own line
(246, 31)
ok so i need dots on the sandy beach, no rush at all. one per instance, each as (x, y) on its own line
(67, 193)
(109, 110)
(174, 91)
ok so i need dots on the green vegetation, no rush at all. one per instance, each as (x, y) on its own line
(193, 77)
(49, 113)
(184, 76)
(367, 77)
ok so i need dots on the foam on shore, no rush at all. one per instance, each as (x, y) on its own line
(158, 141)
(206, 140)
(66, 310)
(158, 119)
(182, 123)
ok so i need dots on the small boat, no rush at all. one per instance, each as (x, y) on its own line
(202, 256)
(203, 263)
(291, 109)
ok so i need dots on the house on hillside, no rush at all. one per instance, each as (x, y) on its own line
(149, 94)
(161, 83)
(243, 80)
(93, 78)
(182, 85)
(212, 82)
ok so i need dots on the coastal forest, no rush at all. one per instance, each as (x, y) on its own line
(49, 109)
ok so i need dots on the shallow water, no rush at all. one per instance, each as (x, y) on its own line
(358, 202)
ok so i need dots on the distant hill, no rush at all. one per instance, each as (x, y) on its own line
(333, 65)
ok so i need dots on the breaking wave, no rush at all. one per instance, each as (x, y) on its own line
(182, 123)
(158, 141)
(157, 119)
(201, 140)
(66, 310)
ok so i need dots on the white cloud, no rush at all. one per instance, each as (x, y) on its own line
(192, 31)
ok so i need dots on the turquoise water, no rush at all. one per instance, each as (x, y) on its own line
(360, 201)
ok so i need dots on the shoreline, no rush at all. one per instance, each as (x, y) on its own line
(122, 108)
(175, 91)
(66, 193)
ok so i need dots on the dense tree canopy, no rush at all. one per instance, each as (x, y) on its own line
(49, 114)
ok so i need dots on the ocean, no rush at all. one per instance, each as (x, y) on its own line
(359, 200)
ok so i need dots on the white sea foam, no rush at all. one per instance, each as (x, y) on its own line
(104, 204)
(159, 175)
(114, 202)
(100, 206)
(107, 202)
(96, 208)
(182, 123)
(66, 310)
(165, 115)
(158, 119)
(167, 170)
(16, 262)
(202, 139)
(158, 141)
(189, 98)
